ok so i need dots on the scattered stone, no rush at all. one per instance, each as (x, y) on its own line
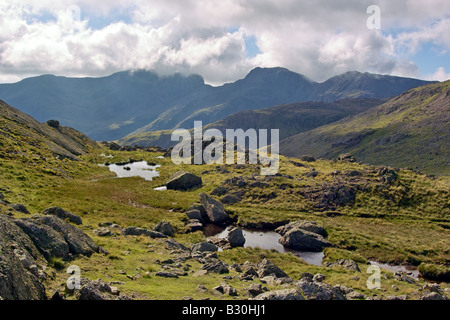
(175, 245)
(395, 298)
(230, 199)
(194, 225)
(204, 247)
(201, 288)
(183, 180)
(286, 294)
(355, 295)
(166, 228)
(433, 296)
(236, 238)
(216, 266)
(255, 289)
(319, 291)
(200, 273)
(166, 274)
(318, 278)
(63, 214)
(103, 232)
(195, 214)
(344, 263)
(347, 157)
(135, 231)
(214, 209)
(226, 289)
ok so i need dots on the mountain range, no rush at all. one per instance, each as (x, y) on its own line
(109, 108)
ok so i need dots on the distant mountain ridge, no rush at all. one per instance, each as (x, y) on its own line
(290, 119)
(411, 130)
(109, 108)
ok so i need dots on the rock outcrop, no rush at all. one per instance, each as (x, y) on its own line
(183, 180)
(214, 209)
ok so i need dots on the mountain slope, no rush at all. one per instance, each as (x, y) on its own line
(112, 107)
(411, 130)
(21, 135)
(290, 119)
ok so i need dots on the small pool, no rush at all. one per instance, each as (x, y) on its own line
(135, 169)
(265, 240)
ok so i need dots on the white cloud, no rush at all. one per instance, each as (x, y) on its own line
(439, 75)
(319, 39)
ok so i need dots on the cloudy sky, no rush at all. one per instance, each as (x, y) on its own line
(222, 40)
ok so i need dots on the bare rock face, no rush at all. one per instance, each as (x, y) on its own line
(214, 209)
(18, 259)
(183, 180)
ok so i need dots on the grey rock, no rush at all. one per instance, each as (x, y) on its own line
(318, 278)
(303, 240)
(166, 274)
(393, 298)
(194, 225)
(103, 232)
(16, 282)
(344, 263)
(183, 180)
(319, 291)
(214, 209)
(310, 226)
(255, 289)
(204, 247)
(355, 295)
(236, 238)
(165, 228)
(48, 241)
(63, 214)
(196, 214)
(78, 241)
(226, 289)
(136, 231)
(215, 266)
(175, 245)
(94, 290)
(266, 268)
(286, 294)
(433, 296)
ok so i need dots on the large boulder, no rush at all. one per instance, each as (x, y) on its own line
(18, 258)
(166, 228)
(62, 214)
(303, 240)
(236, 237)
(267, 268)
(214, 209)
(204, 247)
(183, 180)
(79, 242)
(310, 226)
(47, 240)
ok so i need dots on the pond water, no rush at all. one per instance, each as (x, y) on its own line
(265, 240)
(414, 273)
(135, 169)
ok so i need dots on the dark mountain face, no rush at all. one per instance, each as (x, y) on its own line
(112, 107)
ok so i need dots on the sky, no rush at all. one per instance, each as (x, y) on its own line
(223, 40)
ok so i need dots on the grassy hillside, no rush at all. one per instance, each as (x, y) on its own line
(411, 130)
(290, 119)
(370, 213)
